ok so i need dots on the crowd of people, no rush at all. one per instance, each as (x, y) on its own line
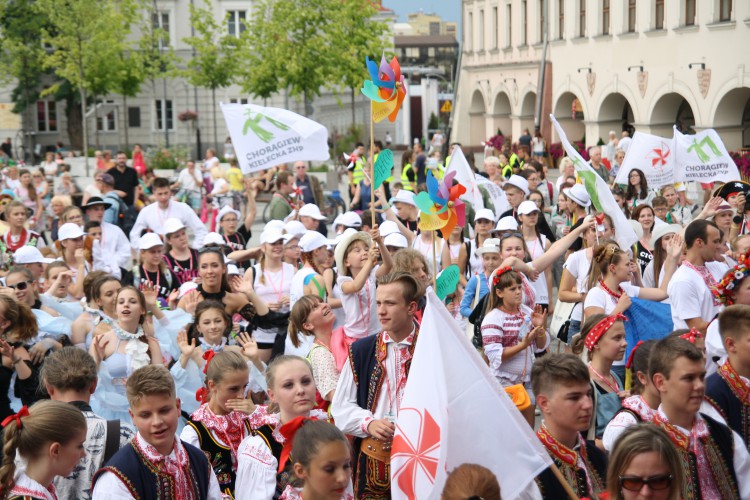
(188, 362)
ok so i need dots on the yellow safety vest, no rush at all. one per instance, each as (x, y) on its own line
(405, 179)
(359, 172)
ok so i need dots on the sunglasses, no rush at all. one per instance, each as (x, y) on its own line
(656, 483)
(21, 285)
(505, 236)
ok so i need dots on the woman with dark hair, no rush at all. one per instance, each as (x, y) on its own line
(644, 248)
(638, 192)
(619, 194)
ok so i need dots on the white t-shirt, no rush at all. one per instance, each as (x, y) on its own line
(690, 298)
(211, 163)
(426, 250)
(718, 269)
(188, 180)
(597, 297)
(578, 265)
(536, 249)
(714, 348)
(274, 286)
(219, 186)
(360, 308)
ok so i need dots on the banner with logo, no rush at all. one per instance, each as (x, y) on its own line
(703, 158)
(263, 137)
(497, 195)
(651, 154)
(449, 388)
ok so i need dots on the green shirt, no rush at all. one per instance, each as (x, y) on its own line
(280, 207)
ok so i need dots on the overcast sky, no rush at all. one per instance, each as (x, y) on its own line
(449, 10)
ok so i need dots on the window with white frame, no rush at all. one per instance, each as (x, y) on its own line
(107, 122)
(659, 15)
(524, 26)
(469, 32)
(160, 20)
(163, 114)
(631, 16)
(605, 17)
(46, 116)
(494, 27)
(560, 19)
(582, 18)
(238, 100)
(480, 31)
(690, 12)
(236, 22)
(508, 25)
(542, 17)
(725, 10)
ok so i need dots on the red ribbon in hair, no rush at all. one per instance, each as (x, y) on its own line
(499, 273)
(208, 356)
(692, 335)
(600, 329)
(201, 395)
(23, 412)
(288, 430)
(629, 364)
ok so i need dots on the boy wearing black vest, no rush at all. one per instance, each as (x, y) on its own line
(155, 464)
(728, 390)
(371, 386)
(714, 458)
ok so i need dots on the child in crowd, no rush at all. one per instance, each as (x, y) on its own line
(471, 481)
(101, 298)
(155, 464)
(512, 333)
(356, 261)
(49, 449)
(261, 472)
(69, 375)
(216, 427)
(563, 391)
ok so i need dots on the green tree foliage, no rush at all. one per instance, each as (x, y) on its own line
(215, 55)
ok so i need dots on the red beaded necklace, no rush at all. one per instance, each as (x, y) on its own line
(616, 295)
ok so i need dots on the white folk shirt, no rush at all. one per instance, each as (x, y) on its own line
(348, 415)
(152, 217)
(690, 298)
(113, 243)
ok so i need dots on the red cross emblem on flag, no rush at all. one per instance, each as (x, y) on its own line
(659, 156)
(415, 452)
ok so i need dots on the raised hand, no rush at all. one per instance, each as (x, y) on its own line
(186, 348)
(190, 301)
(249, 346)
(538, 316)
(674, 247)
(150, 292)
(6, 349)
(236, 283)
(243, 405)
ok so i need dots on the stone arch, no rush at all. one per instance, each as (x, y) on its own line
(563, 111)
(501, 112)
(477, 116)
(671, 109)
(615, 113)
(527, 111)
(731, 118)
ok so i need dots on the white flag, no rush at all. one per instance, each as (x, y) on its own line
(703, 158)
(264, 137)
(465, 176)
(598, 190)
(499, 200)
(651, 154)
(455, 412)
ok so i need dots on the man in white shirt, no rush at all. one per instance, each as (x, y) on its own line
(371, 420)
(693, 303)
(152, 217)
(625, 141)
(112, 251)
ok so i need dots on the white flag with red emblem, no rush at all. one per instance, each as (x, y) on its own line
(651, 154)
(454, 412)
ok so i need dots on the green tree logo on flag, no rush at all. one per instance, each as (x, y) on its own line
(253, 124)
(698, 148)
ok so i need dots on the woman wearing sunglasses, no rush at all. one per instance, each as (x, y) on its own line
(644, 464)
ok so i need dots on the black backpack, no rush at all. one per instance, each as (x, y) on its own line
(126, 217)
(475, 318)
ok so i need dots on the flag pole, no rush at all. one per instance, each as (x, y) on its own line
(571, 494)
(434, 260)
(372, 163)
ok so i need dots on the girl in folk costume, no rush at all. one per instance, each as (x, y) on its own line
(512, 332)
(210, 332)
(291, 387)
(17, 326)
(644, 399)
(537, 244)
(604, 340)
(644, 464)
(272, 280)
(100, 290)
(356, 261)
(49, 449)
(70, 249)
(17, 236)
(181, 259)
(644, 248)
(313, 317)
(455, 253)
(484, 221)
(122, 350)
(322, 461)
(217, 427)
(153, 269)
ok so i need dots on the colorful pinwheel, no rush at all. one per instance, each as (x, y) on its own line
(386, 89)
(440, 206)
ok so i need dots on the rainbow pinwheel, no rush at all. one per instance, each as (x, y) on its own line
(440, 206)
(386, 89)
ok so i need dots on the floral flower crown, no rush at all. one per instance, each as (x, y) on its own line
(499, 273)
(725, 289)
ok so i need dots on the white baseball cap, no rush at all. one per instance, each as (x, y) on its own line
(228, 210)
(397, 240)
(69, 231)
(388, 227)
(295, 227)
(404, 196)
(172, 225)
(232, 270)
(519, 182)
(490, 245)
(274, 224)
(312, 240)
(507, 223)
(150, 240)
(213, 238)
(186, 288)
(527, 207)
(578, 195)
(349, 219)
(28, 254)
(310, 210)
(271, 236)
(485, 214)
